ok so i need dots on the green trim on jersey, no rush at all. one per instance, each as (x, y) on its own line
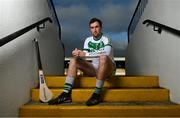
(108, 45)
(98, 38)
(109, 42)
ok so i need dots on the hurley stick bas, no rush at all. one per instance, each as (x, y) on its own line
(45, 93)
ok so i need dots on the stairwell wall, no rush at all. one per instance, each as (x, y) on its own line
(18, 62)
(150, 53)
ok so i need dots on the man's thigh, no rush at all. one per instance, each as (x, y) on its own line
(109, 68)
(86, 67)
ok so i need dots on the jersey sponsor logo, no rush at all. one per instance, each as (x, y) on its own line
(96, 46)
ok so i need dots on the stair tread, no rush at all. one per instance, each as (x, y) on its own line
(110, 89)
(104, 109)
(162, 103)
(113, 95)
(116, 81)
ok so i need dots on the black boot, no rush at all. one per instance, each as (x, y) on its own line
(62, 98)
(94, 99)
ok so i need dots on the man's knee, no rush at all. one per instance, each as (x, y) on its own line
(103, 59)
(73, 61)
(76, 61)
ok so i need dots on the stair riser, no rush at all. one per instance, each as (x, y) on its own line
(86, 82)
(113, 95)
(103, 111)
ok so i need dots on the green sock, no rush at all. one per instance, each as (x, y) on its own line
(68, 84)
(97, 90)
(67, 87)
(99, 85)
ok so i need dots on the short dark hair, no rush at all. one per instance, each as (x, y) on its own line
(95, 20)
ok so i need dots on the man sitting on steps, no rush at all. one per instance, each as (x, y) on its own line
(102, 66)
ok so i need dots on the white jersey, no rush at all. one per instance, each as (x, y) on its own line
(98, 47)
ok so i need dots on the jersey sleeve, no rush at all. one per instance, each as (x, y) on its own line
(108, 46)
(108, 42)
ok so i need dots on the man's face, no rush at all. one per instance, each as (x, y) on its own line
(95, 29)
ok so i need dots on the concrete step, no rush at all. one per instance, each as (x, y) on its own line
(106, 109)
(114, 82)
(114, 95)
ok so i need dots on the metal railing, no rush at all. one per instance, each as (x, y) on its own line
(136, 16)
(16, 34)
(54, 16)
(56, 19)
(159, 27)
